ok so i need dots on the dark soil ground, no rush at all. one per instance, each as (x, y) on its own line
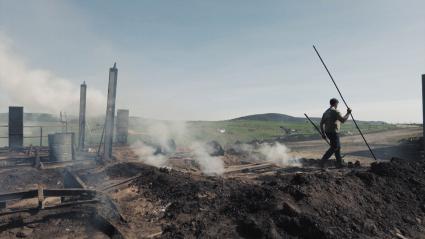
(385, 201)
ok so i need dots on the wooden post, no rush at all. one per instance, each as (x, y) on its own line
(40, 196)
(41, 136)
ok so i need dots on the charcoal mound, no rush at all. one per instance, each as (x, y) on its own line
(385, 201)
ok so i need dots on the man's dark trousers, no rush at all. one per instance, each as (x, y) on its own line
(334, 149)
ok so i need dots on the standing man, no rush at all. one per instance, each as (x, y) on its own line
(329, 126)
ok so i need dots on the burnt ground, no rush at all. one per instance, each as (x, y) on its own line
(23, 178)
(385, 201)
(68, 224)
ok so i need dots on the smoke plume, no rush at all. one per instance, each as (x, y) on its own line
(147, 154)
(278, 154)
(40, 90)
(275, 153)
(159, 134)
(209, 165)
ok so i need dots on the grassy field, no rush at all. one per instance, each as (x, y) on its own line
(230, 131)
(225, 132)
(248, 130)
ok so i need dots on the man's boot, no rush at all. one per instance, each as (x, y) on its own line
(339, 163)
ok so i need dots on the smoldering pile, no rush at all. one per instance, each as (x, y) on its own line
(272, 152)
(385, 201)
(169, 141)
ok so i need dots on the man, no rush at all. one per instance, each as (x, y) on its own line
(329, 126)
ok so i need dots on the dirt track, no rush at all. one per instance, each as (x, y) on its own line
(384, 144)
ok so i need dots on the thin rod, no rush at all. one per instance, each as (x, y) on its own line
(317, 128)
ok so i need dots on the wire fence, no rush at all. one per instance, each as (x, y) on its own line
(36, 133)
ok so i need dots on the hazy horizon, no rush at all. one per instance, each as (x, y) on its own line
(202, 60)
(193, 120)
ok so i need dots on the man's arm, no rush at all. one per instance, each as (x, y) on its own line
(345, 117)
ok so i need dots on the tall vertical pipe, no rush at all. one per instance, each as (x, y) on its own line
(110, 112)
(423, 108)
(82, 119)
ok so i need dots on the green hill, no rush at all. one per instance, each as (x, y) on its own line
(271, 117)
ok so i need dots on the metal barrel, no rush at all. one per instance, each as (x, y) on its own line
(16, 127)
(61, 147)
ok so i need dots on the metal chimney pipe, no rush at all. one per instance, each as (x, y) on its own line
(110, 112)
(82, 119)
(423, 108)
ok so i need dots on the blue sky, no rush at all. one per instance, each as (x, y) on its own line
(209, 60)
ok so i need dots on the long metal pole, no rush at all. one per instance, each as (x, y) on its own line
(317, 128)
(352, 117)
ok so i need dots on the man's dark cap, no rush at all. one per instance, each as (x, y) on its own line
(333, 101)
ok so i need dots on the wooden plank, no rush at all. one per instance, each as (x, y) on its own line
(18, 195)
(47, 193)
(62, 205)
(69, 192)
(249, 168)
(120, 183)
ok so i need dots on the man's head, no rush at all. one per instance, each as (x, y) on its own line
(334, 102)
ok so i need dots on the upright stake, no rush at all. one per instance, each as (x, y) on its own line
(352, 117)
(41, 136)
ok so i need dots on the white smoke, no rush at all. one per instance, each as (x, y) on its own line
(278, 154)
(40, 90)
(147, 154)
(275, 153)
(209, 165)
(161, 132)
